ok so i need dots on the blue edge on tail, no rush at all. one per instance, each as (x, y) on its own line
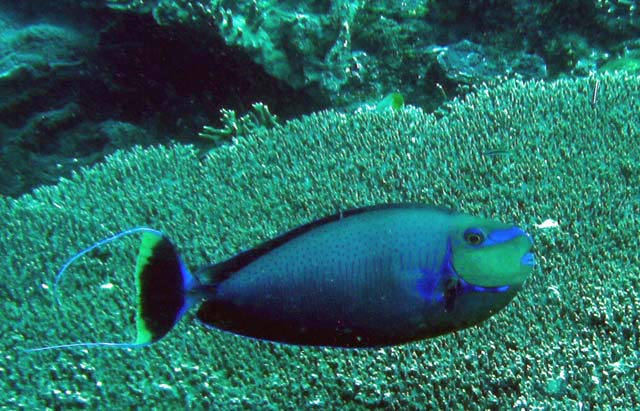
(163, 286)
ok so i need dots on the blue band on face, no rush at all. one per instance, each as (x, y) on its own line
(504, 235)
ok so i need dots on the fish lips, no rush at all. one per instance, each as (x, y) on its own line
(528, 259)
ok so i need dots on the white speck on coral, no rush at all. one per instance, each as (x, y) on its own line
(548, 223)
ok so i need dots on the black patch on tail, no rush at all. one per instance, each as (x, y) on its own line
(161, 287)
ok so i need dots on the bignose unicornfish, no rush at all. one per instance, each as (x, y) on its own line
(368, 277)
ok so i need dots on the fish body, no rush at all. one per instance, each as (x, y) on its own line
(367, 277)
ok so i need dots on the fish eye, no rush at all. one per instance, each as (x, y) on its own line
(474, 236)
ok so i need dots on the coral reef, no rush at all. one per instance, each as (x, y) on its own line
(568, 341)
(40, 65)
(68, 76)
(344, 52)
(125, 60)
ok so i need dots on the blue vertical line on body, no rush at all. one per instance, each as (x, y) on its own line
(431, 259)
(412, 262)
(375, 261)
(365, 262)
(352, 273)
(345, 275)
(354, 266)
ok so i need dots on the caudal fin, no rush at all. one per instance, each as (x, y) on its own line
(162, 282)
(165, 289)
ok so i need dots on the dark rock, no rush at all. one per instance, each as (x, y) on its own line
(469, 63)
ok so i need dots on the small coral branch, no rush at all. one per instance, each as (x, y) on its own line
(258, 118)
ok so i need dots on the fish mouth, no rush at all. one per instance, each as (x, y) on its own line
(528, 259)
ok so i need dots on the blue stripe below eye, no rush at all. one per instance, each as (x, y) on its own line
(502, 236)
(479, 289)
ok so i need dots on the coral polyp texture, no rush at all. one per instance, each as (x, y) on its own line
(525, 151)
